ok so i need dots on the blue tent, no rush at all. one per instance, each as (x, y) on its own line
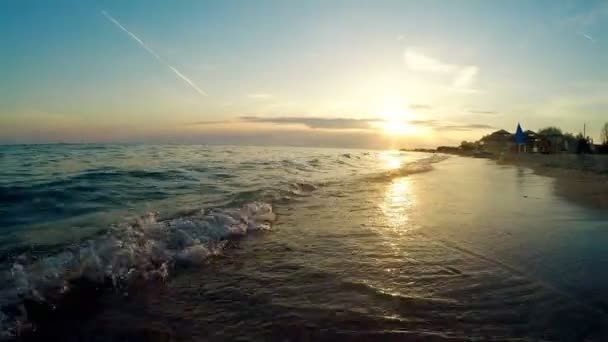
(520, 137)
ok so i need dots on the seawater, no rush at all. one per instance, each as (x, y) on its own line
(139, 242)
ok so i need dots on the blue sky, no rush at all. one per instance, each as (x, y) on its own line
(339, 73)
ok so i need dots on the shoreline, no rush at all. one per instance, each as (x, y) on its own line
(582, 179)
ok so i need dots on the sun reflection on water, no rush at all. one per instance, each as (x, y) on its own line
(391, 159)
(398, 200)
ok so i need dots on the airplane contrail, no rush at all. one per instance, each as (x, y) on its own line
(187, 80)
(153, 53)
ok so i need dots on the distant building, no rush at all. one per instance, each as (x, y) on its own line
(497, 142)
(532, 141)
(520, 142)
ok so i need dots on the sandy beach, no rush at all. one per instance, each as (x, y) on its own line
(579, 178)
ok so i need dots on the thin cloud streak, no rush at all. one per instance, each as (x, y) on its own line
(153, 53)
(209, 122)
(470, 127)
(487, 112)
(365, 124)
(315, 122)
(415, 106)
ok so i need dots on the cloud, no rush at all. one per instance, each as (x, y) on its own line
(259, 96)
(347, 123)
(417, 61)
(153, 53)
(427, 123)
(209, 122)
(487, 112)
(463, 76)
(439, 126)
(314, 122)
(467, 127)
(415, 106)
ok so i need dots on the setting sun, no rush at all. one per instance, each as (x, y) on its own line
(395, 120)
(397, 127)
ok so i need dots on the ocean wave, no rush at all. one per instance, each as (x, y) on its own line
(145, 250)
(282, 194)
(315, 162)
(296, 165)
(418, 166)
(87, 191)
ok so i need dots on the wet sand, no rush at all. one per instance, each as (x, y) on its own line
(580, 179)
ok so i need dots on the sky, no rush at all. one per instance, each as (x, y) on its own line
(373, 74)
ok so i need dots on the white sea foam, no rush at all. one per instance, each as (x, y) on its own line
(145, 250)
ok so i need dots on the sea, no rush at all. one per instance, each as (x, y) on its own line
(222, 243)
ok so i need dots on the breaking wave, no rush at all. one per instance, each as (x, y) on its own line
(146, 250)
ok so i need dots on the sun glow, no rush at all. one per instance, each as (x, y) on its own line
(391, 160)
(395, 120)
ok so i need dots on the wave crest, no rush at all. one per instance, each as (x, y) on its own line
(148, 249)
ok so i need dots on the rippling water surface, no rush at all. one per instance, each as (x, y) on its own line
(116, 242)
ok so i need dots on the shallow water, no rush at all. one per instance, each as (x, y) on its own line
(365, 245)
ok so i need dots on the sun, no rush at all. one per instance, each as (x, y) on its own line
(398, 127)
(394, 121)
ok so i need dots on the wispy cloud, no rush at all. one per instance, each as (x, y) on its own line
(364, 124)
(463, 76)
(259, 96)
(141, 43)
(417, 61)
(415, 106)
(314, 122)
(449, 126)
(426, 123)
(208, 122)
(465, 127)
(487, 112)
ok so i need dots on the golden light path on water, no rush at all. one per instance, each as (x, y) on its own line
(398, 197)
(398, 200)
(394, 205)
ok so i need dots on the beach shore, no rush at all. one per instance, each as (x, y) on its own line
(582, 179)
